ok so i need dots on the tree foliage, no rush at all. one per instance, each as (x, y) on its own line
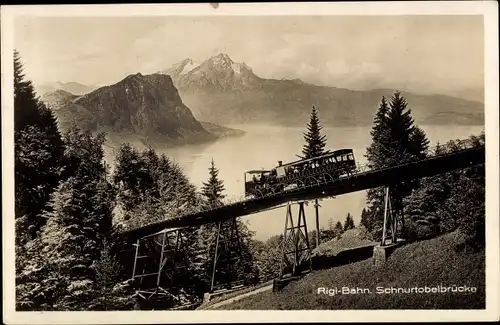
(150, 187)
(450, 201)
(38, 151)
(315, 142)
(395, 140)
(236, 246)
(213, 188)
(79, 220)
(349, 222)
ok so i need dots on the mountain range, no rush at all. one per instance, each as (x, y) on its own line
(189, 102)
(220, 90)
(139, 105)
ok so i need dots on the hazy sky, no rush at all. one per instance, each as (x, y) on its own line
(422, 53)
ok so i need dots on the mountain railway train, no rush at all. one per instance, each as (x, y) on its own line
(327, 167)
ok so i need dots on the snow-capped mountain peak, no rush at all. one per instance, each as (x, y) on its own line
(222, 59)
(219, 72)
(190, 65)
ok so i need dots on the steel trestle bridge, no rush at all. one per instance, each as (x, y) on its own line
(464, 154)
(160, 261)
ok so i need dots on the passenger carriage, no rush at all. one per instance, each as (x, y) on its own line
(305, 172)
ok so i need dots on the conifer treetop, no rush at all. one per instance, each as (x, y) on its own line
(212, 189)
(315, 141)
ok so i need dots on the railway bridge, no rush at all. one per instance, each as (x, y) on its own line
(157, 245)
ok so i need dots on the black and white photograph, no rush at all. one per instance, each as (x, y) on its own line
(181, 159)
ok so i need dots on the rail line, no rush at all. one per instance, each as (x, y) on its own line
(462, 154)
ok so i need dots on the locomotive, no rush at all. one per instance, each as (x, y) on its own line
(327, 167)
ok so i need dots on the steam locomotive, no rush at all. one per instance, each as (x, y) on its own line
(327, 167)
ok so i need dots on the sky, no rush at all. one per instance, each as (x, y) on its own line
(427, 54)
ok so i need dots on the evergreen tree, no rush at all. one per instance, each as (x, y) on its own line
(38, 151)
(314, 145)
(213, 188)
(315, 142)
(419, 144)
(212, 196)
(449, 201)
(331, 224)
(126, 174)
(112, 293)
(150, 187)
(395, 139)
(26, 112)
(377, 152)
(339, 229)
(366, 220)
(349, 222)
(79, 218)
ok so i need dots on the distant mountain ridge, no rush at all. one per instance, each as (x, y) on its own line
(74, 88)
(220, 90)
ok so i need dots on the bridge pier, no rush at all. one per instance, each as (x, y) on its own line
(158, 266)
(390, 240)
(227, 256)
(295, 250)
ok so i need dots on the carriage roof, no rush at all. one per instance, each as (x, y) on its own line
(327, 155)
(257, 171)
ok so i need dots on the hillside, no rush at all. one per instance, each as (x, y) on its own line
(58, 99)
(223, 91)
(145, 105)
(221, 131)
(429, 263)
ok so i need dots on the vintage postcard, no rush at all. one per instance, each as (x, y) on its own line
(250, 162)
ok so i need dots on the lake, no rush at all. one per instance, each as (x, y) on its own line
(263, 146)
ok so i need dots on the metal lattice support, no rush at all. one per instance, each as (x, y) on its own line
(159, 265)
(391, 220)
(296, 252)
(316, 210)
(227, 256)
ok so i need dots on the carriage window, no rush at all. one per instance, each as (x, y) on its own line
(351, 156)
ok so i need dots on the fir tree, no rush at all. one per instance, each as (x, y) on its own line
(395, 139)
(339, 229)
(38, 150)
(314, 146)
(419, 144)
(237, 248)
(331, 224)
(79, 218)
(26, 111)
(377, 152)
(449, 201)
(349, 222)
(366, 220)
(151, 188)
(213, 188)
(112, 293)
(315, 142)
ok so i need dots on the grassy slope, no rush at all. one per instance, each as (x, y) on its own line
(431, 262)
